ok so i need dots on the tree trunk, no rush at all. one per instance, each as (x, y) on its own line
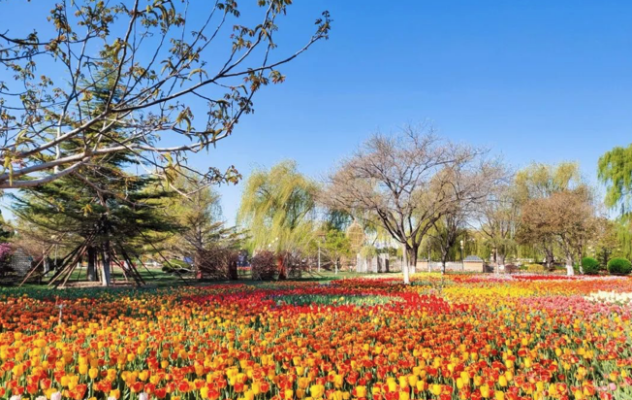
(282, 267)
(569, 265)
(405, 265)
(92, 257)
(569, 270)
(197, 263)
(414, 250)
(105, 264)
(444, 259)
(46, 264)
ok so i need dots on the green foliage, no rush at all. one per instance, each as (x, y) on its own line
(175, 264)
(278, 208)
(619, 266)
(156, 81)
(368, 252)
(540, 180)
(195, 206)
(5, 230)
(615, 171)
(590, 266)
(102, 201)
(536, 268)
(336, 244)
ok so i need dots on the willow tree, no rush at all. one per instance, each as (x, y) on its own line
(169, 59)
(278, 208)
(615, 171)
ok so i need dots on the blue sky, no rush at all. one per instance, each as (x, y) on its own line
(534, 80)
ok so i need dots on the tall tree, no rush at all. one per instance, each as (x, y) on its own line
(101, 204)
(278, 208)
(605, 239)
(196, 209)
(496, 220)
(336, 245)
(160, 61)
(408, 181)
(566, 217)
(615, 171)
(540, 181)
(447, 231)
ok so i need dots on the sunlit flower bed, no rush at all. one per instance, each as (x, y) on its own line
(472, 337)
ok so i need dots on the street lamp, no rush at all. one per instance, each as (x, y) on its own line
(462, 259)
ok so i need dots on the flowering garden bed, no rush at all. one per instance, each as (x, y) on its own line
(477, 337)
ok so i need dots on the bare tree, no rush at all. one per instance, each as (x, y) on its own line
(408, 181)
(496, 219)
(153, 63)
(566, 216)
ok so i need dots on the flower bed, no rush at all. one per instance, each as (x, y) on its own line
(475, 337)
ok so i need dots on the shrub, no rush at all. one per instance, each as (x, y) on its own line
(295, 264)
(5, 258)
(264, 266)
(590, 266)
(619, 266)
(536, 268)
(217, 263)
(511, 268)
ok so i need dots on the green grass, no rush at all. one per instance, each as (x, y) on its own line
(157, 279)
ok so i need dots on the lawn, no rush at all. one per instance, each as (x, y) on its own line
(470, 337)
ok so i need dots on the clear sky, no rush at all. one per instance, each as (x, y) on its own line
(533, 80)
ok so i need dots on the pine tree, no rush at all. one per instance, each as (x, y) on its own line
(103, 205)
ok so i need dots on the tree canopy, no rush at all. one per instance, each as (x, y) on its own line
(407, 181)
(278, 208)
(615, 171)
(158, 63)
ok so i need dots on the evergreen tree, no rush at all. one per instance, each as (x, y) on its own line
(103, 204)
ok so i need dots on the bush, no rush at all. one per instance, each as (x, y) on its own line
(590, 266)
(5, 258)
(264, 266)
(536, 268)
(619, 266)
(511, 268)
(217, 263)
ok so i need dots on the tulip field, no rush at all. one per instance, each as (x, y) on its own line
(470, 337)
